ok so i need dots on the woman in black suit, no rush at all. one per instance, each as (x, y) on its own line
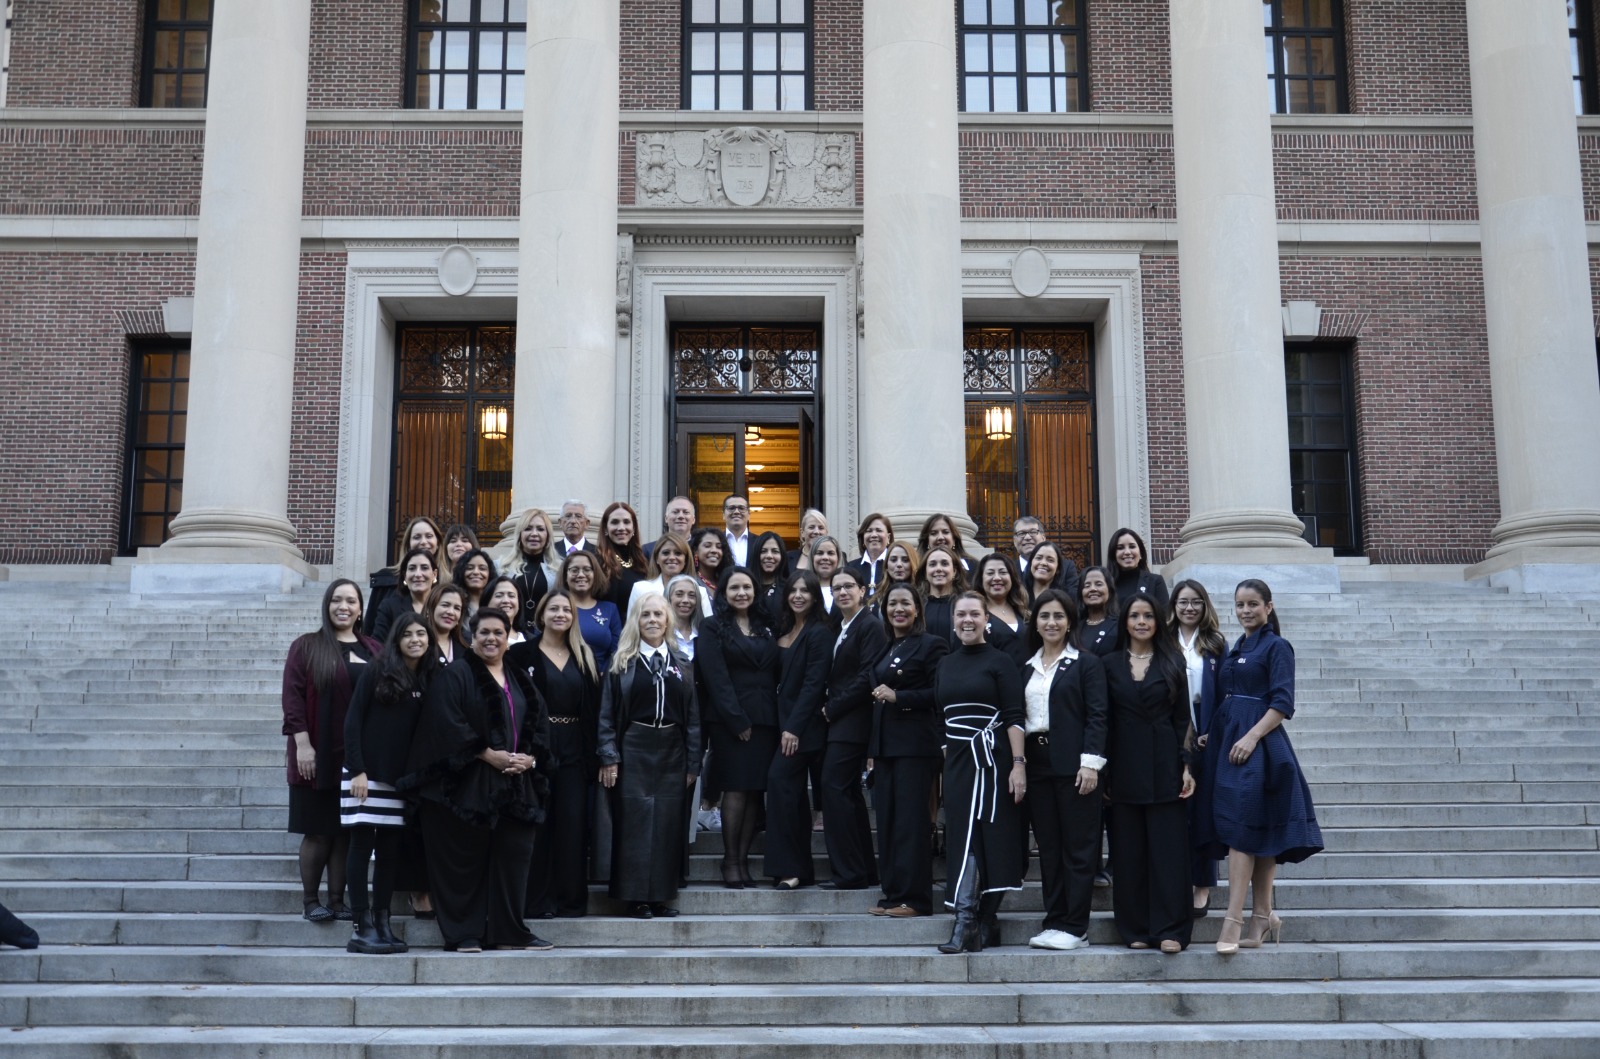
(769, 566)
(1065, 698)
(479, 767)
(939, 582)
(1148, 782)
(906, 754)
(805, 648)
(1199, 635)
(845, 826)
(1134, 578)
(649, 752)
(418, 574)
(562, 667)
(1097, 606)
(736, 668)
(533, 566)
(1001, 586)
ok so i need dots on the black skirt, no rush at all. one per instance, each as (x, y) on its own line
(648, 815)
(982, 822)
(743, 764)
(314, 812)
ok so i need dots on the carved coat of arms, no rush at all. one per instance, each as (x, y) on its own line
(743, 167)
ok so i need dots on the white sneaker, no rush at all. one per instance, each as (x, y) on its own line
(1059, 940)
(709, 819)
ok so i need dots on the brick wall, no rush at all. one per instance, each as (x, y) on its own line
(1375, 176)
(100, 171)
(64, 381)
(836, 41)
(652, 45)
(357, 54)
(1407, 56)
(66, 53)
(314, 441)
(413, 172)
(1129, 57)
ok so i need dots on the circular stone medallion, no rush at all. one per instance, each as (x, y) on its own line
(458, 270)
(1030, 272)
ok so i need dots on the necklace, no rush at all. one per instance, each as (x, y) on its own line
(626, 564)
(1141, 658)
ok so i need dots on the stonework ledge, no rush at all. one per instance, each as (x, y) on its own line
(1256, 529)
(1221, 572)
(1547, 531)
(1530, 568)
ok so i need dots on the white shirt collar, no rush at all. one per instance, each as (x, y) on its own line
(1069, 653)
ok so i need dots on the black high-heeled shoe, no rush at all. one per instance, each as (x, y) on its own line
(731, 879)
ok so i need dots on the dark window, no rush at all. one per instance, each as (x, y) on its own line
(747, 54)
(453, 426)
(1305, 56)
(158, 407)
(1030, 434)
(1322, 446)
(1580, 43)
(1021, 56)
(466, 54)
(177, 48)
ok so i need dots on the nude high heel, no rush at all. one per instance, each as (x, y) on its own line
(1228, 939)
(1272, 927)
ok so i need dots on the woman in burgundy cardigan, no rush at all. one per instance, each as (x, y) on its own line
(318, 680)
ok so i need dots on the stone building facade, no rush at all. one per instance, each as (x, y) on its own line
(1431, 273)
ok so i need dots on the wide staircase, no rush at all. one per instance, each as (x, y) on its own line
(1450, 734)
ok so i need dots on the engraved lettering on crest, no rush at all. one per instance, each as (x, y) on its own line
(744, 167)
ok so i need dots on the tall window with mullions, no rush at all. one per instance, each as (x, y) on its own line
(466, 54)
(158, 408)
(747, 54)
(1322, 445)
(177, 52)
(1305, 56)
(1023, 56)
(1581, 51)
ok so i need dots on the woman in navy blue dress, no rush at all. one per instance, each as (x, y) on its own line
(1256, 805)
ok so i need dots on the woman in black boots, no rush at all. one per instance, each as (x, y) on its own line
(980, 691)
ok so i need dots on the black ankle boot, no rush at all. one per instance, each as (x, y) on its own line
(380, 920)
(366, 938)
(989, 919)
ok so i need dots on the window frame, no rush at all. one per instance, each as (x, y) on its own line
(1345, 351)
(1582, 35)
(746, 28)
(1279, 79)
(132, 447)
(153, 25)
(475, 28)
(1021, 31)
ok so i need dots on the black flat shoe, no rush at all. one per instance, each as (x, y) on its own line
(316, 912)
(664, 911)
(1199, 911)
(342, 913)
(832, 885)
(642, 912)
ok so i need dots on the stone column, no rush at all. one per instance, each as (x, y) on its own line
(1240, 521)
(912, 447)
(246, 293)
(1537, 299)
(564, 441)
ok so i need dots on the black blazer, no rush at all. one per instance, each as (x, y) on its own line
(875, 573)
(999, 635)
(393, 607)
(803, 684)
(1149, 733)
(1143, 584)
(377, 732)
(627, 697)
(909, 726)
(850, 680)
(738, 675)
(1079, 714)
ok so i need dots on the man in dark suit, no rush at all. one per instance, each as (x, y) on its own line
(574, 522)
(679, 518)
(736, 528)
(849, 715)
(1027, 533)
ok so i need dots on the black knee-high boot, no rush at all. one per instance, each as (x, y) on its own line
(989, 918)
(967, 934)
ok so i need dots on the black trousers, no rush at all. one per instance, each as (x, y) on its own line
(365, 841)
(1150, 888)
(789, 818)
(900, 792)
(479, 875)
(1066, 825)
(844, 816)
(558, 879)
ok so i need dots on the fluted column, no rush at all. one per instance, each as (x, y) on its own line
(1237, 412)
(1537, 298)
(246, 293)
(565, 434)
(912, 450)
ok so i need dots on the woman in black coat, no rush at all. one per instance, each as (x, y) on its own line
(736, 666)
(1148, 781)
(650, 743)
(845, 825)
(906, 754)
(377, 740)
(562, 667)
(1065, 695)
(1096, 631)
(1130, 560)
(479, 768)
(805, 649)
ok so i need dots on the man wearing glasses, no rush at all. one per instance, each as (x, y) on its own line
(736, 528)
(574, 522)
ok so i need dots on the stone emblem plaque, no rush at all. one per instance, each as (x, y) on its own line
(744, 167)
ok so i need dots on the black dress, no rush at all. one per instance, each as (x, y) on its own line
(737, 678)
(802, 685)
(936, 616)
(980, 692)
(479, 823)
(905, 752)
(1149, 824)
(650, 728)
(558, 881)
